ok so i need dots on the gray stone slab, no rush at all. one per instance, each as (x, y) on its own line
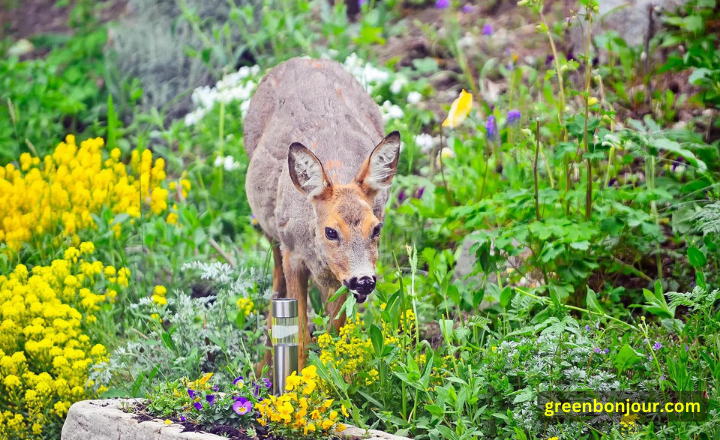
(106, 420)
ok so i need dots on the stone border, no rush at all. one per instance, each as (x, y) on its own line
(105, 420)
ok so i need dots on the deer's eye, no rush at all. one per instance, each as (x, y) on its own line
(331, 234)
(376, 230)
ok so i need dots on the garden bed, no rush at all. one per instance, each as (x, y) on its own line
(106, 419)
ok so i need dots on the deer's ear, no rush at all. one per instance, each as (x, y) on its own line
(379, 168)
(307, 172)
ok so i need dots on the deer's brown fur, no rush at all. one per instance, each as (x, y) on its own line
(318, 160)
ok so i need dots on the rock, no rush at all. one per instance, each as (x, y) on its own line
(630, 18)
(105, 420)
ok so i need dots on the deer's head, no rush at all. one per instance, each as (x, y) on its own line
(347, 219)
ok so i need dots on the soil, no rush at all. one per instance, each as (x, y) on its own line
(26, 18)
(141, 413)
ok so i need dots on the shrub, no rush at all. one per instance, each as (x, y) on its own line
(59, 194)
(46, 348)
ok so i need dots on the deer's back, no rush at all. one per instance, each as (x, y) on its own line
(320, 105)
(302, 96)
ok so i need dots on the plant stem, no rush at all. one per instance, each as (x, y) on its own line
(588, 69)
(535, 170)
(549, 302)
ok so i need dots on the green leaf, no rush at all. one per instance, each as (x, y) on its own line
(626, 358)
(377, 339)
(435, 410)
(696, 257)
(338, 293)
(592, 302)
(506, 296)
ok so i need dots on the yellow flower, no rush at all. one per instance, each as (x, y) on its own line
(309, 428)
(592, 101)
(344, 411)
(87, 247)
(340, 428)
(327, 424)
(168, 422)
(160, 290)
(459, 110)
(159, 300)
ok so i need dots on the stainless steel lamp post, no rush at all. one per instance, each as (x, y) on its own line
(284, 332)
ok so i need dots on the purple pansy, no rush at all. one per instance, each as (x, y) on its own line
(191, 393)
(597, 350)
(513, 116)
(420, 192)
(210, 399)
(242, 406)
(216, 388)
(587, 328)
(237, 379)
(467, 9)
(442, 4)
(267, 383)
(487, 29)
(182, 418)
(657, 346)
(197, 405)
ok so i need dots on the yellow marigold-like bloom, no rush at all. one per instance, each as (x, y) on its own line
(172, 218)
(459, 110)
(159, 300)
(160, 290)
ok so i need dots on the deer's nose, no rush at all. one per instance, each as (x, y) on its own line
(364, 285)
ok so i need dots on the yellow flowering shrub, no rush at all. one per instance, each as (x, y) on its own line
(45, 353)
(305, 411)
(59, 194)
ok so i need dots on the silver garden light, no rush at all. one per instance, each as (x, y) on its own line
(284, 332)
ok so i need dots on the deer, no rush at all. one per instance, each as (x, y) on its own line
(318, 180)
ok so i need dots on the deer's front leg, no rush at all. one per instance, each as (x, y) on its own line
(296, 280)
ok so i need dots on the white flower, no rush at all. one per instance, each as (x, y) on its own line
(230, 164)
(414, 97)
(424, 141)
(397, 85)
(244, 107)
(219, 160)
(447, 153)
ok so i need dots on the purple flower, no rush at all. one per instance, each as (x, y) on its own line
(210, 399)
(662, 377)
(549, 59)
(216, 388)
(607, 350)
(491, 127)
(597, 350)
(257, 390)
(242, 406)
(587, 328)
(361, 2)
(420, 192)
(182, 418)
(657, 346)
(686, 347)
(467, 9)
(191, 393)
(237, 379)
(401, 196)
(487, 29)
(267, 383)
(442, 4)
(513, 116)
(197, 405)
